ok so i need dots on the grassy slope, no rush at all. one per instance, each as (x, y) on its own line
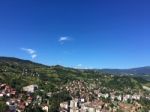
(11, 70)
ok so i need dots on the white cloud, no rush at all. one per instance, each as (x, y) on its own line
(31, 52)
(79, 65)
(33, 56)
(64, 39)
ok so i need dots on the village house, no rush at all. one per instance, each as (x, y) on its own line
(30, 88)
(64, 106)
(45, 108)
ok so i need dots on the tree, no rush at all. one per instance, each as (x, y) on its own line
(3, 106)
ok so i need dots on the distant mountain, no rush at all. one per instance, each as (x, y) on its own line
(29, 64)
(133, 71)
(17, 61)
(10, 66)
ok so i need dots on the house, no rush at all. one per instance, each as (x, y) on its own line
(21, 106)
(64, 105)
(1, 95)
(30, 88)
(12, 107)
(82, 100)
(126, 97)
(136, 97)
(119, 97)
(73, 103)
(49, 94)
(94, 106)
(45, 108)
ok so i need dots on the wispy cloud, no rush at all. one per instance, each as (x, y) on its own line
(34, 56)
(79, 65)
(31, 52)
(62, 40)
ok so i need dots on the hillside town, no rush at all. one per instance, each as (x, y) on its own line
(97, 100)
(84, 99)
(19, 102)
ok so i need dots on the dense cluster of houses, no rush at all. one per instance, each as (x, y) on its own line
(76, 105)
(18, 102)
(101, 101)
(84, 98)
(97, 106)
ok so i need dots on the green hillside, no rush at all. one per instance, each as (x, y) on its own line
(19, 73)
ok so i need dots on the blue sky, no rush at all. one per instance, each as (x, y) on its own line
(77, 33)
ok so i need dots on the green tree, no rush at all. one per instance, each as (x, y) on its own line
(3, 106)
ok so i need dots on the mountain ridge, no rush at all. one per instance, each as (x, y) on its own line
(145, 70)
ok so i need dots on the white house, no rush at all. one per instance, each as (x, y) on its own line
(45, 108)
(30, 88)
(64, 105)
